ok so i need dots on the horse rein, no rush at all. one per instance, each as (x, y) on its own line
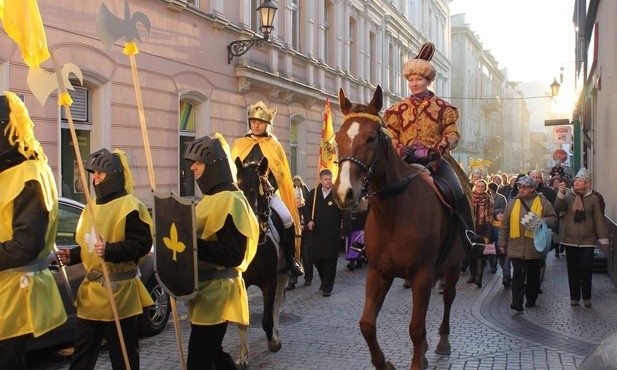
(391, 189)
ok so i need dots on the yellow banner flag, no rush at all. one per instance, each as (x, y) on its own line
(327, 153)
(22, 22)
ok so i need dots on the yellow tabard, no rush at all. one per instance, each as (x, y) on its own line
(29, 302)
(222, 300)
(131, 295)
(277, 162)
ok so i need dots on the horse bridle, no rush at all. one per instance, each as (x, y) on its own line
(368, 169)
(389, 190)
(267, 191)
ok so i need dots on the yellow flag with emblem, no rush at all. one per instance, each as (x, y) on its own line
(327, 152)
(22, 22)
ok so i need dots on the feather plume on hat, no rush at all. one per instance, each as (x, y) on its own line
(421, 64)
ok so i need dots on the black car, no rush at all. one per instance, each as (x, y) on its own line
(151, 322)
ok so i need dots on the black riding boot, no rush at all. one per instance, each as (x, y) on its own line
(289, 248)
(453, 192)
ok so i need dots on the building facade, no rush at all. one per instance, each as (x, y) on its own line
(494, 119)
(189, 89)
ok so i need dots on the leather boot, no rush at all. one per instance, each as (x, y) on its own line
(289, 248)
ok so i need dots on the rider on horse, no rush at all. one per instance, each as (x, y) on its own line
(259, 143)
(424, 131)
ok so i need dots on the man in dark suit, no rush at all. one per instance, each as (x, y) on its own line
(325, 225)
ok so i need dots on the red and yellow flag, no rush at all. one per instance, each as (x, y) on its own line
(22, 22)
(327, 153)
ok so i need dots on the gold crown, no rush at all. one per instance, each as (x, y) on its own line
(260, 111)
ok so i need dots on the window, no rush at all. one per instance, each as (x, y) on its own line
(327, 32)
(72, 186)
(297, 140)
(353, 52)
(293, 142)
(186, 125)
(372, 58)
(79, 108)
(295, 25)
(255, 21)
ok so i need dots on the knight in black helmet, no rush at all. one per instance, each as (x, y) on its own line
(227, 235)
(125, 230)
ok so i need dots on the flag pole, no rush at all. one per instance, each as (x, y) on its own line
(130, 50)
(64, 100)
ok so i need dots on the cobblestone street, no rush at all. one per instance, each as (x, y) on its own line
(322, 332)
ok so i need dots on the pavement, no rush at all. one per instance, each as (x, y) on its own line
(323, 332)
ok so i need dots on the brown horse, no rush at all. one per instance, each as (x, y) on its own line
(407, 229)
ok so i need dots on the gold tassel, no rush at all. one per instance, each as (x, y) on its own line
(65, 99)
(130, 48)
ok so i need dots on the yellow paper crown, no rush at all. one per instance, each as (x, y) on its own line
(260, 111)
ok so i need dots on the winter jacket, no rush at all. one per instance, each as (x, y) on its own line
(523, 247)
(583, 234)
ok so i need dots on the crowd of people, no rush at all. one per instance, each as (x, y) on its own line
(518, 204)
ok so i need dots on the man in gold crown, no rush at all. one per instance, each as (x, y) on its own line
(424, 131)
(260, 143)
(30, 303)
(125, 230)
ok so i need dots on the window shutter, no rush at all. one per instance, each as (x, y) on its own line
(79, 108)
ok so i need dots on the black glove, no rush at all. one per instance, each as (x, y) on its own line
(408, 152)
(433, 156)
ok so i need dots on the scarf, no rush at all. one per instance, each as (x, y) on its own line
(578, 207)
(482, 208)
(515, 217)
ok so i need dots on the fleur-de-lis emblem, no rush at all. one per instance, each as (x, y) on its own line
(90, 238)
(173, 243)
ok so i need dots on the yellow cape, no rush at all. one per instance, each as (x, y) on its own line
(277, 161)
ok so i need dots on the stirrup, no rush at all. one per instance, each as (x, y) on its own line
(470, 235)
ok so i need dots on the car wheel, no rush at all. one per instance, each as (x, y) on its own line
(155, 317)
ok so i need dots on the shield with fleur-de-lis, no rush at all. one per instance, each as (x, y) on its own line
(175, 244)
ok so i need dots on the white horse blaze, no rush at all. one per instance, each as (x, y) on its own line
(344, 176)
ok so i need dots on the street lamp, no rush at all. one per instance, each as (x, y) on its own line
(555, 88)
(266, 10)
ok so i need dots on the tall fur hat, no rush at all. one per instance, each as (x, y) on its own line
(421, 64)
(260, 111)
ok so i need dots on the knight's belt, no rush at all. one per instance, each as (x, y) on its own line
(213, 274)
(97, 276)
(32, 266)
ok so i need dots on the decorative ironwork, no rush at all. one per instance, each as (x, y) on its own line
(240, 47)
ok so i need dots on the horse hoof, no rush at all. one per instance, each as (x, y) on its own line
(388, 366)
(275, 347)
(443, 349)
(424, 362)
(242, 366)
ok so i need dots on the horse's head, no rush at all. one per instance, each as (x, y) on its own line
(253, 181)
(358, 141)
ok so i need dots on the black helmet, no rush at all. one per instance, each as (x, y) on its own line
(211, 153)
(109, 163)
